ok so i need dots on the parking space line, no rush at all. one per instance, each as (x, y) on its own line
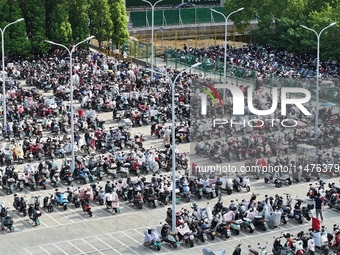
(220, 239)
(101, 209)
(14, 215)
(48, 215)
(109, 246)
(59, 248)
(81, 251)
(126, 246)
(3, 193)
(65, 216)
(116, 251)
(141, 244)
(94, 248)
(28, 252)
(44, 250)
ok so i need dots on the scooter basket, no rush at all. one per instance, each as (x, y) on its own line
(218, 183)
(286, 209)
(205, 226)
(310, 206)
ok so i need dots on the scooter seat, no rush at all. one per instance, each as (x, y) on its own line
(254, 251)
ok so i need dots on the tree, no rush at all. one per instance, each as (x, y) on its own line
(100, 20)
(79, 19)
(19, 44)
(60, 28)
(34, 13)
(329, 39)
(15, 35)
(120, 33)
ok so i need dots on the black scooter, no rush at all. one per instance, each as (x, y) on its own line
(20, 204)
(47, 203)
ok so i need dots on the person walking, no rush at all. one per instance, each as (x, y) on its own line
(167, 133)
(319, 207)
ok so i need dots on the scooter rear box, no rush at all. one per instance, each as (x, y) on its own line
(316, 224)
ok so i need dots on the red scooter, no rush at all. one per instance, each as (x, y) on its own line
(85, 204)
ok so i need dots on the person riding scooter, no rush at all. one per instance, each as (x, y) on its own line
(108, 187)
(150, 236)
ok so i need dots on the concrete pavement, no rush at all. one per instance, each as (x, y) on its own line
(73, 232)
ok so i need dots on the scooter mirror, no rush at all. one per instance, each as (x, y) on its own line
(258, 243)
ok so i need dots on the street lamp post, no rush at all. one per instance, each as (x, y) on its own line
(71, 94)
(3, 71)
(225, 50)
(317, 75)
(152, 31)
(173, 144)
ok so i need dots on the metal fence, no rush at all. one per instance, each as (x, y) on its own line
(213, 69)
(173, 3)
(176, 17)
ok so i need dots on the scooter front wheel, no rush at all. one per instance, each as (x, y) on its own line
(248, 188)
(65, 207)
(278, 184)
(89, 212)
(211, 237)
(50, 209)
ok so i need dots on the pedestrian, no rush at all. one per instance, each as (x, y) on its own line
(167, 133)
(319, 207)
(185, 48)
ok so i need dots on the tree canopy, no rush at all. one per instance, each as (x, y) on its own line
(280, 23)
(62, 21)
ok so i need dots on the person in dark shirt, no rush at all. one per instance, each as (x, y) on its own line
(319, 207)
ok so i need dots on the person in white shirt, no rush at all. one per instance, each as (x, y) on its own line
(167, 133)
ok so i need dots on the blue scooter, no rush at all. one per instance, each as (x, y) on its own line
(82, 175)
(297, 213)
(60, 198)
(183, 186)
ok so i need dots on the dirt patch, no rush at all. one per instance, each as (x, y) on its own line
(161, 45)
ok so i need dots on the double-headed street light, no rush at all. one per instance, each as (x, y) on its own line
(317, 75)
(225, 50)
(71, 93)
(152, 30)
(173, 143)
(3, 71)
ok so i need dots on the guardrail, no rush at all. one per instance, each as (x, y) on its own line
(175, 17)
